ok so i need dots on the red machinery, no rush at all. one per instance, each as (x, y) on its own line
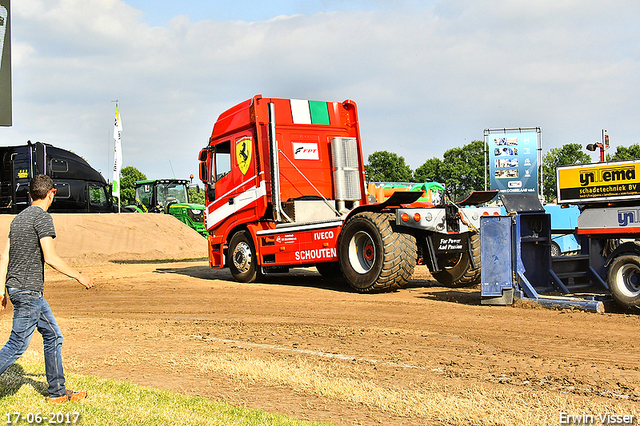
(286, 187)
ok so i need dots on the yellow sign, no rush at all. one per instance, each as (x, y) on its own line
(600, 181)
(23, 173)
(243, 154)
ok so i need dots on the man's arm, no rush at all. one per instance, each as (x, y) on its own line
(4, 265)
(53, 260)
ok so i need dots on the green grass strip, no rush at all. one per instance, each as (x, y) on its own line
(23, 390)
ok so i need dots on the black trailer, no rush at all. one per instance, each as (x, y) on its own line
(80, 188)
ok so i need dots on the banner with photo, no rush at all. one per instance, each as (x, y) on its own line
(513, 161)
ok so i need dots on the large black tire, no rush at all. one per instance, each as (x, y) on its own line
(457, 269)
(374, 255)
(624, 281)
(331, 272)
(243, 262)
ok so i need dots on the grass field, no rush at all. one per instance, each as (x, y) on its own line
(23, 390)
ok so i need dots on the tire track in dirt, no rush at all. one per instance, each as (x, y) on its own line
(138, 324)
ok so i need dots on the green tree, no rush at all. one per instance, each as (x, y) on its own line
(624, 153)
(461, 171)
(466, 169)
(566, 155)
(128, 177)
(196, 196)
(386, 166)
(433, 170)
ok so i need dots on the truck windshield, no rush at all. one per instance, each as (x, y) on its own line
(169, 193)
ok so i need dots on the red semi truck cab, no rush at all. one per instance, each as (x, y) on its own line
(285, 187)
(282, 172)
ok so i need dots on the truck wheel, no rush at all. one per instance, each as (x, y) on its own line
(457, 270)
(624, 280)
(374, 255)
(242, 258)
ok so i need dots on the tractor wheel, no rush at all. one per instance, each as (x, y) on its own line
(457, 269)
(242, 258)
(624, 280)
(374, 255)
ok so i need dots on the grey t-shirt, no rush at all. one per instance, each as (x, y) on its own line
(26, 260)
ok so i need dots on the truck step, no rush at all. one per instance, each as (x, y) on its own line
(572, 274)
(573, 258)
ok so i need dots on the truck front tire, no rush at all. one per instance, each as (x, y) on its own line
(457, 269)
(243, 261)
(624, 280)
(374, 256)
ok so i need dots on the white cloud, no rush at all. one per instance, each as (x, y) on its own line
(425, 79)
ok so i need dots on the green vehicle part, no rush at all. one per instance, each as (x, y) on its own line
(170, 196)
(434, 189)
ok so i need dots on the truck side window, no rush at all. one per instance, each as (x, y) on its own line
(222, 160)
(97, 195)
(220, 166)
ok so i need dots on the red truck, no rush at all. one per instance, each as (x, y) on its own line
(285, 187)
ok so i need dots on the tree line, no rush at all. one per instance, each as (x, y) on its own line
(462, 170)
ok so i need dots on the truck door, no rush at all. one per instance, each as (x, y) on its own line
(235, 190)
(245, 192)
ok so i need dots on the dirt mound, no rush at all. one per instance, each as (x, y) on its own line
(98, 238)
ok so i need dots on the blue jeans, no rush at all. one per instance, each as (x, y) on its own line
(31, 311)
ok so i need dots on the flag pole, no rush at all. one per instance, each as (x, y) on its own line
(117, 157)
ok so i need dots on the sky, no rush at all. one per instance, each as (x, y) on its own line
(427, 76)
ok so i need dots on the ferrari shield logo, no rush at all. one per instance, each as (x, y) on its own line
(243, 154)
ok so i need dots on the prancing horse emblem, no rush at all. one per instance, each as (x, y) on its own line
(243, 154)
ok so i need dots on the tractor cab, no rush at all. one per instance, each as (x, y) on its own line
(170, 196)
(156, 196)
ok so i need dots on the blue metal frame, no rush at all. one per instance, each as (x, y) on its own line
(516, 261)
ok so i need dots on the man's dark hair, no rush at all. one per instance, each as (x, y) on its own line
(40, 186)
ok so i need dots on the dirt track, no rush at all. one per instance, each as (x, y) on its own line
(185, 327)
(313, 350)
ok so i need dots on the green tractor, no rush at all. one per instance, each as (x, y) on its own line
(170, 196)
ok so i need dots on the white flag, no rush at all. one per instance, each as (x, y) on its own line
(117, 157)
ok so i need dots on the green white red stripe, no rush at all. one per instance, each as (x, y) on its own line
(309, 112)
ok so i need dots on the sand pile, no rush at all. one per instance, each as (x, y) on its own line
(129, 237)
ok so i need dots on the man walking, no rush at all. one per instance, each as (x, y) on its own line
(30, 245)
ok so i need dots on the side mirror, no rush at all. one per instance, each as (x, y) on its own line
(204, 172)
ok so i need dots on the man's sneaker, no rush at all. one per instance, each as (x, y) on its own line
(76, 395)
(70, 396)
